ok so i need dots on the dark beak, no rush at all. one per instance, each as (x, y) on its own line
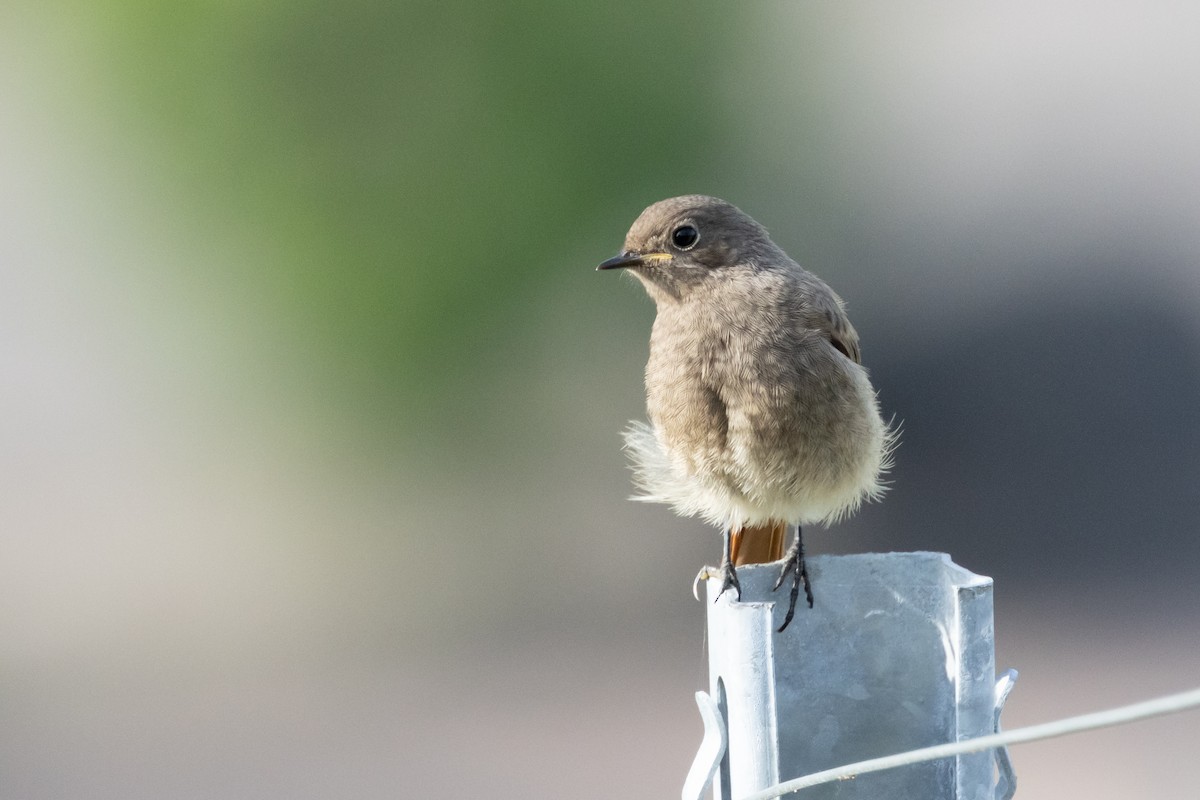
(630, 259)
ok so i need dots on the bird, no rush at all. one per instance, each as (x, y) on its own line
(760, 414)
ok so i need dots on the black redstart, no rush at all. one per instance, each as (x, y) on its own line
(760, 411)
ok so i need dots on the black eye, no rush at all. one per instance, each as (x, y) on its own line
(685, 237)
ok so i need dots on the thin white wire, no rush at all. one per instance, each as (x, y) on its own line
(1084, 722)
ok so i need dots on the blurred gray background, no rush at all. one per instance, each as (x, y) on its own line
(310, 396)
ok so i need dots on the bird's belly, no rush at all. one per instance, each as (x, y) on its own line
(792, 455)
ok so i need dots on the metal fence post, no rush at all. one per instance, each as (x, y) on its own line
(897, 654)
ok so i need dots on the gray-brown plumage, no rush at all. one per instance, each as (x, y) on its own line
(759, 409)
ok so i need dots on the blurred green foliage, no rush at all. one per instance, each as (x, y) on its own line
(418, 166)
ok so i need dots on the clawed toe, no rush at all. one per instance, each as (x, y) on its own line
(729, 580)
(794, 565)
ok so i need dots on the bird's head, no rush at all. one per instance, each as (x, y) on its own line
(684, 243)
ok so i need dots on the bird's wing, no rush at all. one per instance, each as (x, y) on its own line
(845, 339)
(828, 315)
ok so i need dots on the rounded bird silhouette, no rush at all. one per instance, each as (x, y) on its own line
(761, 414)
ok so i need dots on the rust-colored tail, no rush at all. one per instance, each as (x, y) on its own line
(759, 544)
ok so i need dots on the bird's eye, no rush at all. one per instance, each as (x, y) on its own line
(685, 237)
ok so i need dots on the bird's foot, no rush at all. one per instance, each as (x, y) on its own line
(729, 580)
(795, 565)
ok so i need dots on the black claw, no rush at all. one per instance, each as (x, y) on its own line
(795, 565)
(729, 578)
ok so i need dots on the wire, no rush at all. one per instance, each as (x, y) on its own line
(1047, 730)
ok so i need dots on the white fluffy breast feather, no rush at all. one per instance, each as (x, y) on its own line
(662, 478)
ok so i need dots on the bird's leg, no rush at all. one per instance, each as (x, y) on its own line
(728, 573)
(794, 563)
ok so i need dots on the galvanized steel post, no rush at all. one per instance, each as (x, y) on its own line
(896, 654)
